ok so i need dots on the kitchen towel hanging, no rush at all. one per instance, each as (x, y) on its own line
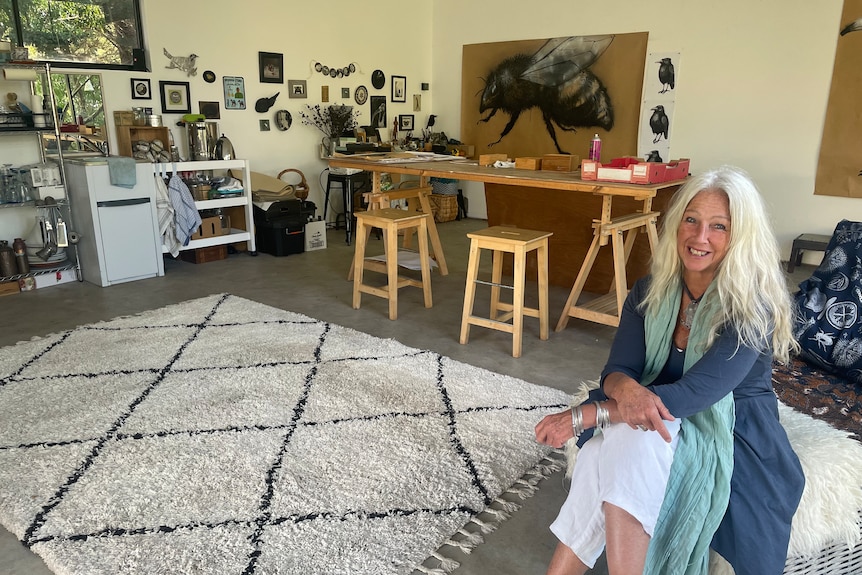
(122, 171)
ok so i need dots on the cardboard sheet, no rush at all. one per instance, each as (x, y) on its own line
(840, 160)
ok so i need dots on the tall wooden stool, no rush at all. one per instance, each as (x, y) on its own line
(391, 221)
(518, 242)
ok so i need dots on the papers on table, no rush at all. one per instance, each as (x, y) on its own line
(404, 157)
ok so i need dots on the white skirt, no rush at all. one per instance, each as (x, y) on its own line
(625, 467)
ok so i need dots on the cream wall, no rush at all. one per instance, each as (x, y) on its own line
(752, 90)
(227, 36)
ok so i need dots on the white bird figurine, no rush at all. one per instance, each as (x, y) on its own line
(184, 63)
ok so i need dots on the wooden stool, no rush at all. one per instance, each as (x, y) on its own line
(806, 242)
(391, 221)
(518, 242)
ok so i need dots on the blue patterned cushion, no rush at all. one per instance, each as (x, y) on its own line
(828, 322)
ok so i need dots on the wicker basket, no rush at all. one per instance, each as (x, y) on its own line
(446, 186)
(834, 559)
(444, 206)
(301, 189)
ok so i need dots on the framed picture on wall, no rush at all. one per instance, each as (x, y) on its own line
(175, 97)
(296, 89)
(271, 67)
(141, 89)
(210, 110)
(378, 111)
(399, 88)
(405, 122)
(234, 93)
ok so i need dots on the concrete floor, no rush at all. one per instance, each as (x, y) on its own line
(314, 284)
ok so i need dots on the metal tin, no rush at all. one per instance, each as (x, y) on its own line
(154, 120)
(8, 267)
(20, 249)
(202, 137)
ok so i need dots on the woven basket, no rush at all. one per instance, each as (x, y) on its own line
(301, 189)
(444, 206)
(446, 186)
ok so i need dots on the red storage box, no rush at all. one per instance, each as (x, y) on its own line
(634, 171)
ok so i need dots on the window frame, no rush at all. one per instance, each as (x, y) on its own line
(139, 29)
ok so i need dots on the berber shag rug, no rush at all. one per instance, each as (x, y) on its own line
(221, 436)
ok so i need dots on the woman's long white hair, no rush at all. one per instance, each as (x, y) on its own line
(749, 281)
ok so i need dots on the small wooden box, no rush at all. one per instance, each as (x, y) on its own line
(9, 288)
(528, 163)
(123, 118)
(489, 159)
(560, 162)
(204, 255)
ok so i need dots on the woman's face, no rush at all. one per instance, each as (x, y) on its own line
(704, 233)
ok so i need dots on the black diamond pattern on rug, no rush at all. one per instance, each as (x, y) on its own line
(222, 436)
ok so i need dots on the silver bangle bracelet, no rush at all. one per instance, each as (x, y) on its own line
(577, 421)
(603, 416)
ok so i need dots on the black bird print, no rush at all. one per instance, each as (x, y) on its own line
(659, 124)
(654, 157)
(556, 80)
(665, 74)
(852, 26)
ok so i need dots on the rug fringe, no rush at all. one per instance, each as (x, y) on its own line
(469, 541)
(498, 511)
(447, 565)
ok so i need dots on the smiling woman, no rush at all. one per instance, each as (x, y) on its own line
(108, 32)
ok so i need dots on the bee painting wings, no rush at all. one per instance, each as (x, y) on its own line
(561, 59)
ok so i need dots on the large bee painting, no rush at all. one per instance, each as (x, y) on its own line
(532, 97)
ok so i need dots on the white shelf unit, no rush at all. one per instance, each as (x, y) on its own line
(235, 235)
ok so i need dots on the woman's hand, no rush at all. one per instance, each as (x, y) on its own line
(555, 429)
(637, 405)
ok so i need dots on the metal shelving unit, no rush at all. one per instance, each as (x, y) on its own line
(10, 130)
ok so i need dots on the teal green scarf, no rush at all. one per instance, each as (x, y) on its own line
(699, 486)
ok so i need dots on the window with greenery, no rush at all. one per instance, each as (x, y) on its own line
(74, 33)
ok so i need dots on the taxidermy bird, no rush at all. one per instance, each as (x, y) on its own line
(184, 63)
(426, 133)
(665, 74)
(654, 157)
(852, 26)
(658, 122)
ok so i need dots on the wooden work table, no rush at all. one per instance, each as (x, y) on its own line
(558, 202)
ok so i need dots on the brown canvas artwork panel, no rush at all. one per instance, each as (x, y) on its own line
(840, 163)
(617, 70)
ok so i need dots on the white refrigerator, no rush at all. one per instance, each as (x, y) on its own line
(118, 226)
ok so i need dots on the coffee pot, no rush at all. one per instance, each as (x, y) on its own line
(223, 149)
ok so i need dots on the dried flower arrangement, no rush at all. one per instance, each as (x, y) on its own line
(332, 120)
